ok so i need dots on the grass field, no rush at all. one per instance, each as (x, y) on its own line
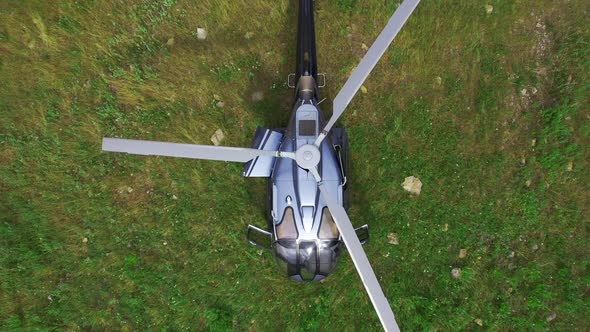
(489, 108)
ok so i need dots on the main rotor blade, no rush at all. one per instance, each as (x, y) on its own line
(210, 152)
(369, 61)
(361, 262)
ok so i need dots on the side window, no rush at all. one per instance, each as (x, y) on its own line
(328, 229)
(286, 229)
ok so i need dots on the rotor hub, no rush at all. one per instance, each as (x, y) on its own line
(307, 156)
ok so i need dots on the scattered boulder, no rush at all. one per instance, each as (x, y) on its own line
(392, 238)
(201, 34)
(456, 273)
(551, 317)
(364, 89)
(412, 185)
(217, 137)
(489, 9)
(478, 321)
(170, 41)
(248, 35)
(257, 96)
(462, 253)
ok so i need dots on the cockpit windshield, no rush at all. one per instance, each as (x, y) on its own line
(307, 260)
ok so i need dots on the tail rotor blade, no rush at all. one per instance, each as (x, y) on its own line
(360, 260)
(194, 151)
(375, 52)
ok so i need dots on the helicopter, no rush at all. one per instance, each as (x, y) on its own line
(306, 167)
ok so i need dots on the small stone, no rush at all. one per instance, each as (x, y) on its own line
(170, 41)
(533, 142)
(489, 9)
(445, 227)
(364, 46)
(462, 253)
(50, 298)
(201, 34)
(511, 254)
(570, 166)
(217, 97)
(528, 183)
(523, 92)
(413, 185)
(217, 137)
(257, 96)
(535, 247)
(85, 240)
(522, 161)
(479, 322)
(551, 317)
(129, 189)
(456, 273)
(392, 238)
(438, 80)
(174, 197)
(364, 89)
(248, 35)
(165, 243)
(534, 90)
(220, 104)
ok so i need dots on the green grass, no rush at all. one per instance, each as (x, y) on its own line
(166, 245)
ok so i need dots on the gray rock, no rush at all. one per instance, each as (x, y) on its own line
(201, 34)
(217, 137)
(257, 96)
(413, 185)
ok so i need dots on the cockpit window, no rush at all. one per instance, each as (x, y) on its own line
(307, 260)
(328, 229)
(286, 229)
